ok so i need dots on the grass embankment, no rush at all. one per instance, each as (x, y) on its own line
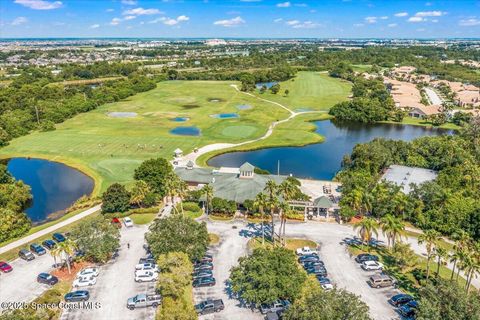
(143, 218)
(406, 277)
(292, 243)
(424, 123)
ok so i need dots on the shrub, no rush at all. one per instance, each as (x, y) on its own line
(115, 199)
(223, 207)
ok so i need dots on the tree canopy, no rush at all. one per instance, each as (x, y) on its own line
(115, 199)
(154, 172)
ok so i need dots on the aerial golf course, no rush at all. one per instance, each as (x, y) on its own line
(109, 143)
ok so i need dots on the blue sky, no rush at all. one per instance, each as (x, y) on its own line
(240, 18)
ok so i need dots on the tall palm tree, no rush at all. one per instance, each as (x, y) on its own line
(208, 192)
(367, 202)
(473, 264)
(260, 202)
(442, 255)
(283, 207)
(67, 247)
(367, 227)
(271, 189)
(169, 186)
(392, 227)
(181, 190)
(55, 252)
(288, 190)
(455, 257)
(430, 238)
(139, 192)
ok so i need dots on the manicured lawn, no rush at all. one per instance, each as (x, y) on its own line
(193, 215)
(311, 90)
(142, 218)
(423, 123)
(111, 148)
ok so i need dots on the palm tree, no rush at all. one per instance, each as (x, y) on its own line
(288, 190)
(208, 192)
(271, 189)
(392, 227)
(430, 238)
(260, 202)
(283, 207)
(455, 257)
(442, 255)
(181, 190)
(67, 247)
(367, 227)
(169, 186)
(55, 252)
(139, 191)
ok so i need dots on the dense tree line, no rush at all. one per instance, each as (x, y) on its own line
(448, 204)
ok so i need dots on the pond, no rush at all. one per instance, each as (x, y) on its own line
(322, 160)
(225, 115)
(185, 131)
(268, 85)
(54, 186)
(180, 119)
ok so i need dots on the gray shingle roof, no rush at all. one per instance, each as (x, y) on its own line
(323, 202)
(247, 167)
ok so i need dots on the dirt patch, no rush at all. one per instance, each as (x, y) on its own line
(63, 275)
(190, 106)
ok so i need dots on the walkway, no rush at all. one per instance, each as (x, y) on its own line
(193, 156)
(433, 97)
(33, 236)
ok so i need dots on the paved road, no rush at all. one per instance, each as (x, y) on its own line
(21, 284)
(433, 96)
(51, 229)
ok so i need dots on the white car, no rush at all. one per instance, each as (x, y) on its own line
(372, 265)
(87, 272)
(84, 282)
(327, 286)
(128, 222)
(304, 251)
(145, 276)
(147, 267)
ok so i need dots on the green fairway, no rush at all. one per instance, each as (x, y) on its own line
(110, 148)
(310, 91)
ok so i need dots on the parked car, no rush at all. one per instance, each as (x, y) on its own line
(26, 255)
(197, 264)
(371, 265)
(400, 299)
(147, 266)
(408, 310)
(5, 267)
(58, 237)
(279, 305)
(366, 257)
(38, 249)
(144, 300)
(381, 281)
(310, 258)
(128, 222)
(49, 244)
(147, 260)
(316, 269)
(88, 272)
(273, 315)
(47, 278)
(76, 296)
(203, 267)
(204, 282)
(206, 258)
(84, 281)
(305, 251)
(310, 264)
(145, 276)
(116, 222)
(325, 283)
(209, 306)
(202, 274)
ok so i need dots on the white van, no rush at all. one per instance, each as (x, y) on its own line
(128, 222)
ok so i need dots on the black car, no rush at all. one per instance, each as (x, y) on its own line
(47, 278)
(49, 244)
(308, 259)
(202, 274)
(366, 257)
(147, 260)
(26, 255)
(76, 296)
(203, 266)
(408, 310)
(58, 237)
(204, 282)
(400, 299)
(310, 264)
(318, 272)
(206, 258)
(38, 249)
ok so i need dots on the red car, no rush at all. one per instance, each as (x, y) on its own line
(5, 267)
(116, 222)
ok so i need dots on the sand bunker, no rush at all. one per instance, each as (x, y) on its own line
(122, 114)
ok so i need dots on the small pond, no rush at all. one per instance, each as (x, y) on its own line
(185, 131)
(225, 115)
(244, 107)
(54, 186)
(180, 119)
(122, 114)
(322, 160)
(270, 84)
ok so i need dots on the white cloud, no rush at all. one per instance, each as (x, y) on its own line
(115, 21)
(95, 26)
(284, 4)
(371, 19)
(469, 22)
(430, 14)
(129, 2)
(401, 14)
(39, 4)
(110, 10)
(428, 4)
(129, 18)
(230, 22)
(141, 12)
(306, 25)
(171, 21)
(392, 25)
(278, 20)
(358, 25)
(301, 5)
(415, 19)
(384, 17)
(292, 22)
(19, 20)
(182, 18)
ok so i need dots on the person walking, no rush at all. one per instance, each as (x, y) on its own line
(128, 245)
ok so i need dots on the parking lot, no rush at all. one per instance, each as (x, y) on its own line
(115, 283)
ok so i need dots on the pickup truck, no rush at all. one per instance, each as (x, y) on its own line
(209, 306)
(304, 251)
(144, 300)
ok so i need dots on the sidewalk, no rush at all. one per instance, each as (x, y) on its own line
(33, 236)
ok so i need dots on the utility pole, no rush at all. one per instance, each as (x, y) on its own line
(278, 167)
(36, 111)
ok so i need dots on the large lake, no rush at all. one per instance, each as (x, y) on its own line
(55, 186)
(322, 160)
